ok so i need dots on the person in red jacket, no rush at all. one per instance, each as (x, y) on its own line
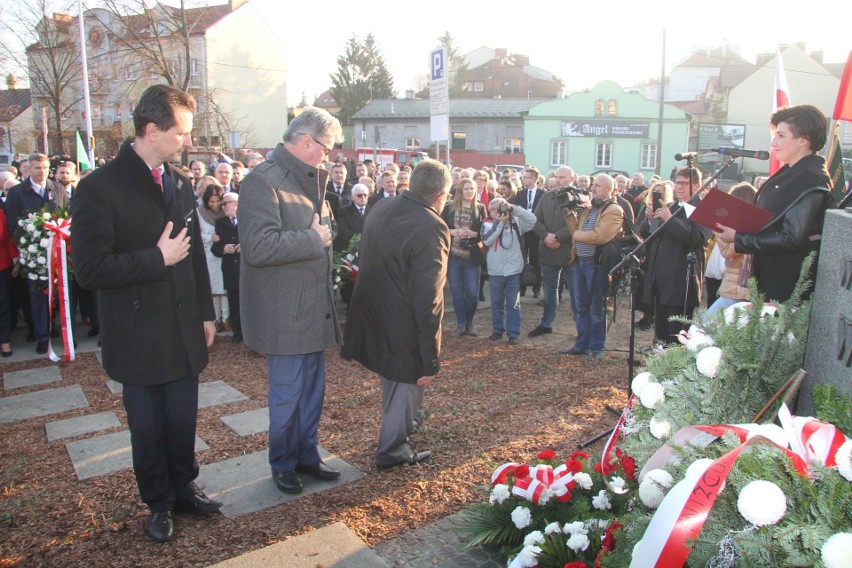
(8, 269)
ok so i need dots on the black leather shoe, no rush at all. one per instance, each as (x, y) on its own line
(414, 459)
(573, 351)
(41, 347)
(540, 330)
(287, 481)
(419, 417)
(495, 336)
(199, 505)
(94, 331)
(319, 471)
(161, 527)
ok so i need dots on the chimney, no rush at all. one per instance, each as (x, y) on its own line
(11, 82)
(521, 60)
(501, 53)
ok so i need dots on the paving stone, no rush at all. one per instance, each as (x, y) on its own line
(31, 377)
(217, 392)
(105, 454)
(244, 483)
(114, 386)
(81, 425)
(41, 403)
(333, 546)
(249, 422)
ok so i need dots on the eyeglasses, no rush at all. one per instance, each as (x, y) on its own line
(325, 148)
(359, 195)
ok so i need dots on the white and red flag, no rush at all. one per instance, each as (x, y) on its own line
(781, 100)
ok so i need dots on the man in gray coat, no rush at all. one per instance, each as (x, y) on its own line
(394, 324)
(554, 249)
(287, 300)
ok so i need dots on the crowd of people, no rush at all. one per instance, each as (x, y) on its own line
(174, 255)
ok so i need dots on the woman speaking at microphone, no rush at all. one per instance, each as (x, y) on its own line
(797, 195)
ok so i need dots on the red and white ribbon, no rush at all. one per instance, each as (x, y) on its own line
(812, 440)
(57, 269)
(500, 474)
(613, 440)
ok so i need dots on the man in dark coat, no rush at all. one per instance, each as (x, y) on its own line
(29, 196)
(394, 324)
(136, 241)
(338, 190)
(528, 199)
(228, 249)
(665, 285)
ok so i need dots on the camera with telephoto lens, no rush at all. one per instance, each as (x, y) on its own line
(571, 197)
(504, 207)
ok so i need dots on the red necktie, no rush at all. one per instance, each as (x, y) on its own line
(158, 177)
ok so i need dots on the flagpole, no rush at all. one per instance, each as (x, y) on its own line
(87, 103)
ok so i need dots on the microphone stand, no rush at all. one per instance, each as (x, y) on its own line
(631, 261)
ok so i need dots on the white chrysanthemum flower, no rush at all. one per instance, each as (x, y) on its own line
(41, 260)
(42, 277)
(522, 517)
(652, 395)
(23, 240)
(697, 339)
(836, 552)
(601, 501)
(639, 382)
(578, 542)
(553, 528)
(584, 480)
(526, 558)
(660, 428)
(708, 361)
(617, 484)
(32, 276)
(30, 227)
(44, 243)
(762, 503)
(499, 493)
(32, 249)
(535, 537)
(45, 216)
(653, 486)
(575, 527)
(771, 431)
(843, 457)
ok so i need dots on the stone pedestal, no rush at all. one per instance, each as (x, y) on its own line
(828, 359)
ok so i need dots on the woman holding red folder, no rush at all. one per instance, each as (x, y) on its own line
(797, 195)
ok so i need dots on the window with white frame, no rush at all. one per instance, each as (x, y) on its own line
(649, 157)
(195, 69)
(478, 86)
(603, 155)
(117, 111)
(558, 153)
(131, 73)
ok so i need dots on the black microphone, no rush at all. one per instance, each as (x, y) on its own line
(741, 153)
(686, 156)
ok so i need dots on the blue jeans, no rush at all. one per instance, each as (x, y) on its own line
(720, 304)
(549, 286)
(568, 277)
(506, 297)
(590, 285)
(464, 284)
(296, 392)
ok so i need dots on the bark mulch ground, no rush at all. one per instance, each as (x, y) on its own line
(491, 403)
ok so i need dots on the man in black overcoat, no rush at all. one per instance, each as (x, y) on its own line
(137, 242)
(228, 249)
(394, 323)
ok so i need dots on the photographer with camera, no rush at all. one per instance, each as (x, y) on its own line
(464, 216)
(554, 247)
(503, 241)
(596, 225)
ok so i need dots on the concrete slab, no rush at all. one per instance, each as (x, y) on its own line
(332, 546)
(244, 484)
(249, 422)
(81, 425)
(31, 377)
(217, 392)
(114, 387)
(93, 457)
(41, 403)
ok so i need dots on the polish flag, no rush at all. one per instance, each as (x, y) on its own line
(781, 100)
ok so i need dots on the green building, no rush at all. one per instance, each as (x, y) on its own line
(605, 129)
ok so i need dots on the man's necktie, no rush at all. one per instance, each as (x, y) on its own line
(361, 211)
(158, 177)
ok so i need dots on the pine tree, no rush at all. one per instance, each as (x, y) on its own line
(361, 76)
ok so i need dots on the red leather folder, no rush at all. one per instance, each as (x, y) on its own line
(725, 209)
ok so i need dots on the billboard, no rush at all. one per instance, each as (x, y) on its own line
(605, 128)
(720, 135)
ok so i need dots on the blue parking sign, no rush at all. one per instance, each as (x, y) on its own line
(438, 64)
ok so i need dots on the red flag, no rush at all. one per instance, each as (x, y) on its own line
(781, 100)
(843, 106)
